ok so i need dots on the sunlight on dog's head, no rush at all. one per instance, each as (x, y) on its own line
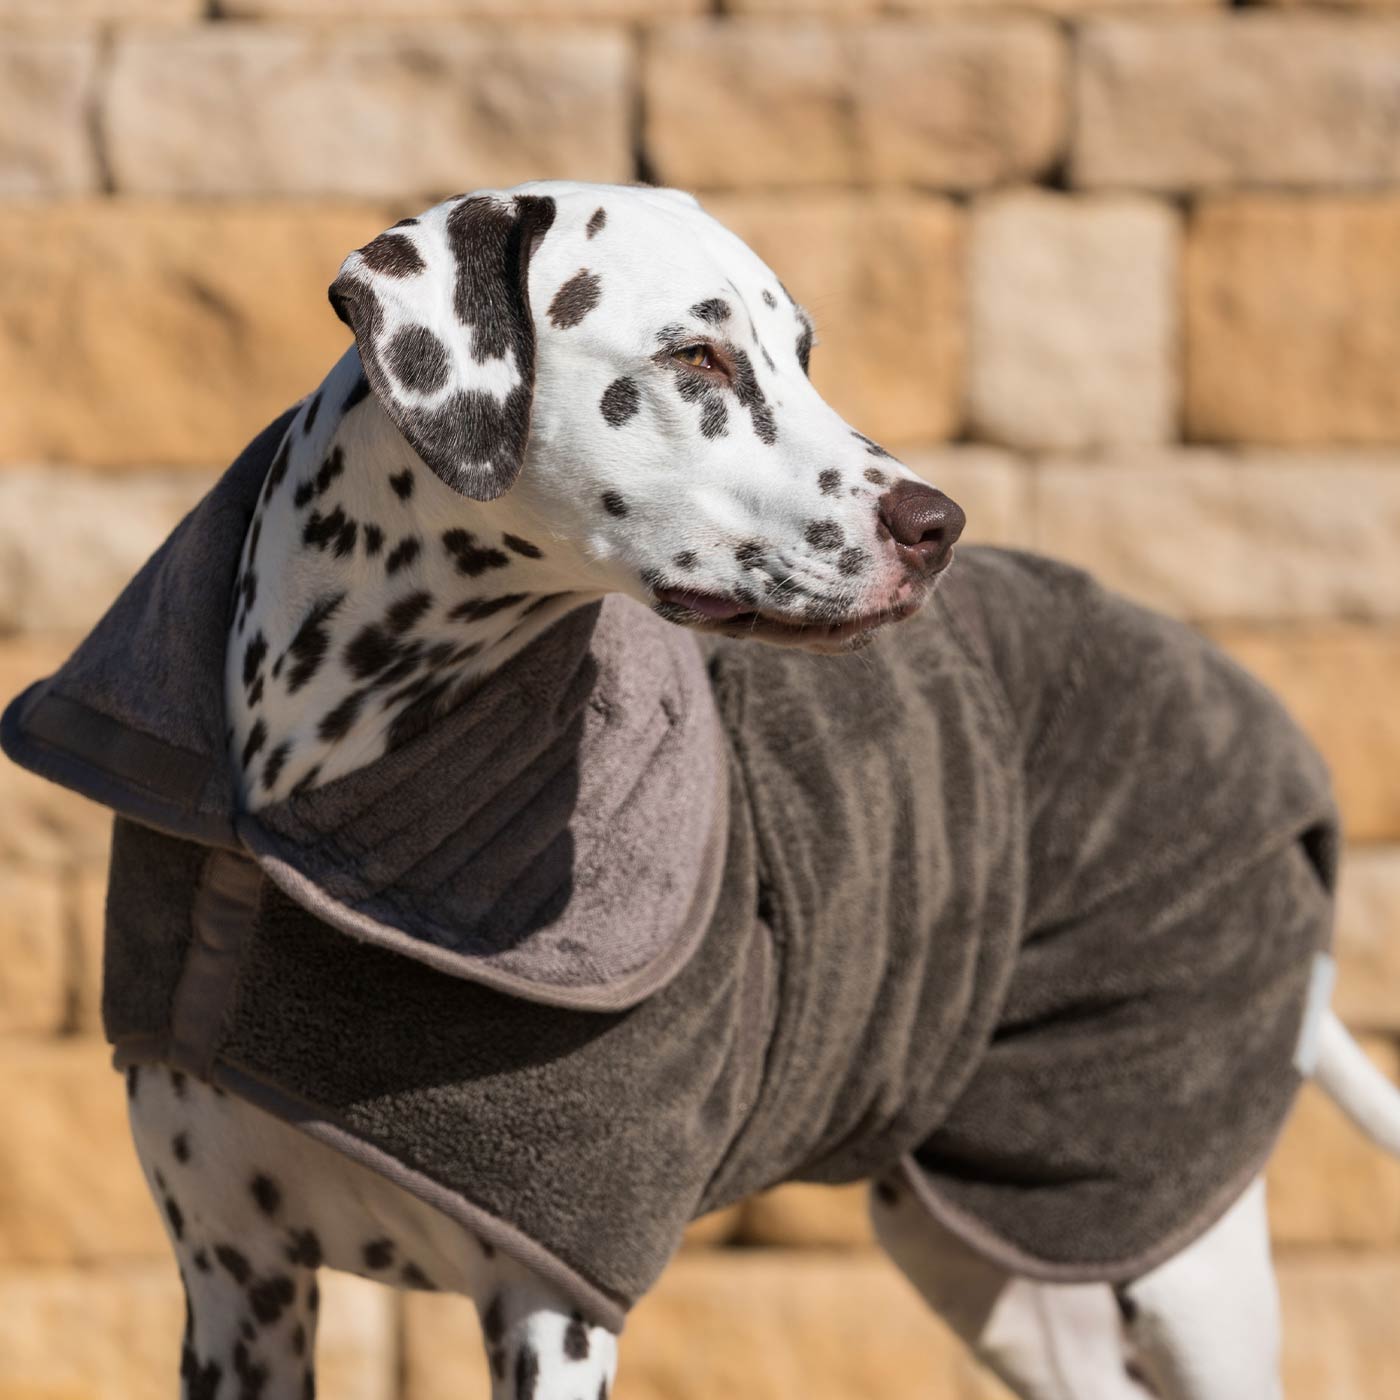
(609, 367)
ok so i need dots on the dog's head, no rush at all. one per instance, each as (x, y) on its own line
(611, 367)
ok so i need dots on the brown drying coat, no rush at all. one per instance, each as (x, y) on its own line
(594, 954)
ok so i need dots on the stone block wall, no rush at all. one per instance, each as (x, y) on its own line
(1121, 277)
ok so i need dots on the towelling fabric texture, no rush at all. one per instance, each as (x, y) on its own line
(1021, 901)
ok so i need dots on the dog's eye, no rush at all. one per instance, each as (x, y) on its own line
(696, 356)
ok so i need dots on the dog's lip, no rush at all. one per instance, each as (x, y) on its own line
(714, 612)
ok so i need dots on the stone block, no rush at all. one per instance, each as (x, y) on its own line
(70, 540)
(1340, 682)
(68, 14)
(1250, 98)
(114, 1334)
(1254, 536)
(185, 328)
(764, 1324)
(882, 278)
(34, 950)
(71, 1191)
(994, 488)
(1368, 938)
(365, 110)
(957, 104)
(809, 1216)
(1329, 1185)
(46, 88)
(1072, 321)
(1339, 1339)
(1292, 320)
(341, 10)
(43, 825)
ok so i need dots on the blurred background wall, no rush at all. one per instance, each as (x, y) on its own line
(1125, 280)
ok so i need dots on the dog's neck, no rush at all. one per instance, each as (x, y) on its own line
(370, 597)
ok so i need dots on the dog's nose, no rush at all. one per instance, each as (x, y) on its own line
(923, 521)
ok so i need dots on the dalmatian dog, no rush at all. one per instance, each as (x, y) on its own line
(704, 429)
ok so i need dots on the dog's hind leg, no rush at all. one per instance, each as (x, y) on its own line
(1045, 1341)
(1206, 1322)
(538, 1346)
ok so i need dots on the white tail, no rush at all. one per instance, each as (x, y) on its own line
(1356, 1086)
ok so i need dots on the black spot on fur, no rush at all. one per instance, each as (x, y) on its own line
(270, 1297)
(278, 470)
(255, 694)
(749, 555)
(200, 1382)
(175, 1216)
(201, 1261)
(313, 1296)
(543, 601)
(335, 724)
(471, 558)
(829, 482)
(402, 554)
(1127, 1307)
(415, 718)
(714, 418)
(266, 1193)
(374, 540)
(475, 609)
(133, 1080)
(312, 640)
(614, 504)
(309, 421)
(876, 477)
(686, 560)
(576, 1339)
(393, 255)
(596, 220)
(417, 359)
(871, 447)
(527, 1373)
(305, 493)
(402, 482)
(306, 779)
(824, 534)
(405, 613)
(522, 547)
(180, 1147)
(252, 1375)
(851, 561)
(379, 1254)
(235, 1263)
(276, 761)
(257, 737)
(769, 299)
(299, 1339)
(619, 402)
(750, 394)
(304, 1249)
(177, 1082)
(253, 657)
(804, 348)
(493, 1322)
(358, 393)
(714, 310)
(247, 1330)
(330, 469)
(887, 1193)
(575, 299)
(414, 1277)
(335, 531)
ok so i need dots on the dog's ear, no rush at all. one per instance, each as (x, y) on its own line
(440, 309)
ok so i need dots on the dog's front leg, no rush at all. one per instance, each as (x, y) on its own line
(538, 1345)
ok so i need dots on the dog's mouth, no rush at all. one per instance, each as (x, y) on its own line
(733, 617)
